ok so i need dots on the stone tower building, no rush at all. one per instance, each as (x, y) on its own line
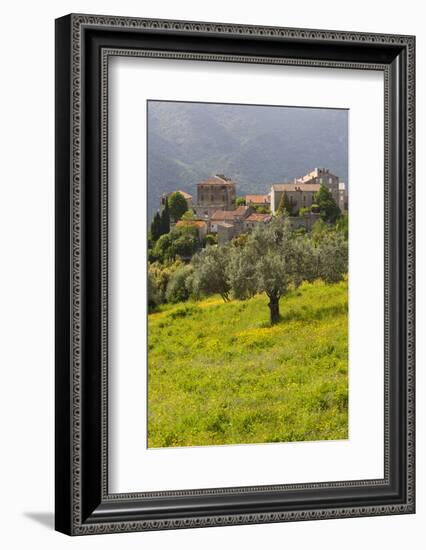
(215, 193)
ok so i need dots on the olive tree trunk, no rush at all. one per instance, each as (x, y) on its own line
(274, 309)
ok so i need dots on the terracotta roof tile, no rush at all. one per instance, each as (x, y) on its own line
(183, 193)
(229, 214)
(221, 215)
(258, 199)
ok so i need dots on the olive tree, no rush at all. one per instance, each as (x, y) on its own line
(241, 273)
(332, 257)
(272, 259)
(269, 262)
(158, 278)
(210, 272)
(329, 255)
(275, 259)
(179, 285)
(182, 242)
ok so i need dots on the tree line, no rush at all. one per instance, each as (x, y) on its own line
(166, 244)
(272, 259)
(175, 206)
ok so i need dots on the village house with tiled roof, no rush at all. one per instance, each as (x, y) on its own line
(214, 193)
(301, 192)
(254, 219)
(300, 195)
(234, 217)
(258, 200)
(215, 209)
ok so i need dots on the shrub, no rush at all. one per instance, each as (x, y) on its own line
(210, 272)
(261, 209)
(158, 279)
(153, 297)
(178, 243)
(303, 211)
(177, 205)
(210, 239)
(179, 285)
(333, 257)
(342, 225)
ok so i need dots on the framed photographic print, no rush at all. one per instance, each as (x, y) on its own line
(234, 274)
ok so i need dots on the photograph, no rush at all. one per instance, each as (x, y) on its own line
(247, 274)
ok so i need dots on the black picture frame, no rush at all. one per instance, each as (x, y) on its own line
(83, 45)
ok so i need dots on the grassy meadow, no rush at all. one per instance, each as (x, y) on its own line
(220, 374)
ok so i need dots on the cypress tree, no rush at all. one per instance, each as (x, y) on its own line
(165, 219)
(327, 205)
(286, 205)
(156, 227)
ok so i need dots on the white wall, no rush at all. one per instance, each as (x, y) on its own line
(26, 290)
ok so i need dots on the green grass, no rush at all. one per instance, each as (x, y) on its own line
(219, 374)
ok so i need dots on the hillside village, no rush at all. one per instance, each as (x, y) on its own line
(218, 210)
(222, 244)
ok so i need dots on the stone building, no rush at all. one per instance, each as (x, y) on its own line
(215, 210)
(215, 193)
(225, 232)
(300, 195)
(301, 192)
(230, 223)
(342, 203)
(306, 221)
(234, 217)
(258, 200)
(255, 219)
(323, 176)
